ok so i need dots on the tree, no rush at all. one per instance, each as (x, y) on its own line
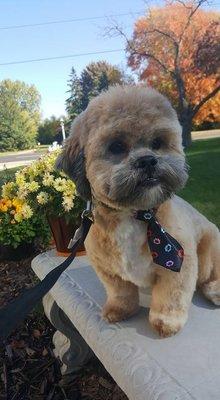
(73, 103)
(48, 130)
(95, 78)
(176, 49)
(19, 115)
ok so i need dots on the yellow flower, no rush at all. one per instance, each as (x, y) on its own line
(42, 198)
(19, 206)
(18, 209)
(33, 169)
(7, 189)
(3, 208)
(59, 184)
(27, 212)
(67, 203)
(5, 204)
(17, 202)
(25, 169)
(22, 192)
(18, 217)
(48, 179)
(63, 174)
(50, 167)
(70, 189)
(19, 178)
(33, 186)
(8, 203)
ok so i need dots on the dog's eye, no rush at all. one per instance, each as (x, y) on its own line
(117, 147)
(156, 144)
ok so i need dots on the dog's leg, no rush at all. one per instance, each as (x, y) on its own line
(171, 297)
(209, 265)
(122, 298)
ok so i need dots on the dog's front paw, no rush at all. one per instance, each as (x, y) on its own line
(167, 324)
(212, 291)
(114, 313)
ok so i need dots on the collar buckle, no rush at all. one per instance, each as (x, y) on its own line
(88, 211)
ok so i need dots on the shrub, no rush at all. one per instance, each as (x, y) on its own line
(37, 191)
(20, 225)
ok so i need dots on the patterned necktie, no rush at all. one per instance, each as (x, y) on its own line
(165, 250)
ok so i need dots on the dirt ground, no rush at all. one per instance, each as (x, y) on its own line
(28, 368)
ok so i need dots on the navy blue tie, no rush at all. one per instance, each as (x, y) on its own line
(165, 250)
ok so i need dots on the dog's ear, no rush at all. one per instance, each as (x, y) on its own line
(72, 159)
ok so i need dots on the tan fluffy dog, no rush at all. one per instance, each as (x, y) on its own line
(125, 153)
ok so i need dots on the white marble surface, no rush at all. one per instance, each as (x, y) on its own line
(186, 366)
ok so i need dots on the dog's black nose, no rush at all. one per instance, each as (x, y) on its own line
(145, 162)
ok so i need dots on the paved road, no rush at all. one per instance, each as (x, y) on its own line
(18, 159)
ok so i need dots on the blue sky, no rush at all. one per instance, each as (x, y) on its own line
(51, 77)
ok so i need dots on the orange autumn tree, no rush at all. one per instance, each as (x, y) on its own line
(176, 49)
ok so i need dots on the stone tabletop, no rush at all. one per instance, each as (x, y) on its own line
(185, 366)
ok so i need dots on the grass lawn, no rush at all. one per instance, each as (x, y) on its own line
(7, 175)
(203, 187)
(41, 149)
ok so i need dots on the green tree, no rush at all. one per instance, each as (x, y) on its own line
(73, 103)
(96, 77)
(48, 130)
(19, 115)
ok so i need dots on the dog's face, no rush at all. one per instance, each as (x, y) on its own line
(126, 149)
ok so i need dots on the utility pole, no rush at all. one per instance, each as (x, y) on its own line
(63, 128)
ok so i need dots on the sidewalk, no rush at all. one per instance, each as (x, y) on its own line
(14, 164)
(214, 133)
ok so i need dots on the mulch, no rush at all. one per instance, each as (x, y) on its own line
(28, 367)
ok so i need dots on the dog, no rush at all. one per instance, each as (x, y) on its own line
(125, 153)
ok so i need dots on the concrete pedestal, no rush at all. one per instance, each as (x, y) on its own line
(183, 367)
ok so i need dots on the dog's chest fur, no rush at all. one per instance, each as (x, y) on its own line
(136, 262)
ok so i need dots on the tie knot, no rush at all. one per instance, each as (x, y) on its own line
(143, 215)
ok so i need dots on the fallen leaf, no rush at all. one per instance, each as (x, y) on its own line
(36, 333)
(17, 344)
(30, 351)
(44, 352)
(106, 384)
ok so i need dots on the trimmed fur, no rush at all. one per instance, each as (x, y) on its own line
(117, 246)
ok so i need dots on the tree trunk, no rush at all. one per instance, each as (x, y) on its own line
(186, 134)
(186, 122)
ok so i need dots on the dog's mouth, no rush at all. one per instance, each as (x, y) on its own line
(132, 189)
(148, 182)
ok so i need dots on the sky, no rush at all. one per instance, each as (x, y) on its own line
(50, 77)
(51, 40)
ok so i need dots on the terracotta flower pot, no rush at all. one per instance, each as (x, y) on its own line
(62, 232)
